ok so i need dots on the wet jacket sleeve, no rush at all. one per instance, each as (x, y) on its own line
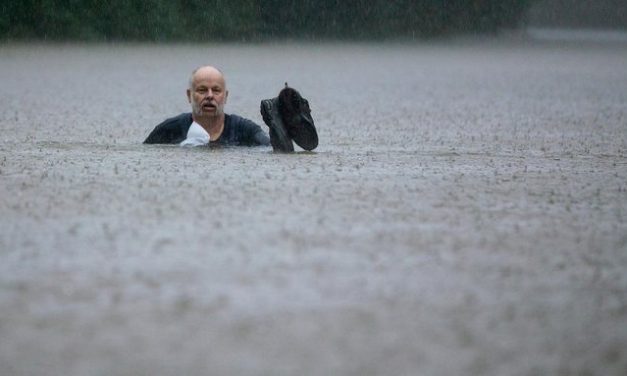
(254, 135)
(260, 137)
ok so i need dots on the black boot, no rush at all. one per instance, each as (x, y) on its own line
(279, 137)
(296, 115)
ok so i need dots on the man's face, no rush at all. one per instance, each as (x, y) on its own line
(208, 93)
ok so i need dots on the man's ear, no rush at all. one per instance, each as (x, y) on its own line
(189, 96)
(226, 96)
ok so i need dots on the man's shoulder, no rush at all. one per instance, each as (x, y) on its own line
(183, 118)
(171, 130)
(243, 131)
(237, 120)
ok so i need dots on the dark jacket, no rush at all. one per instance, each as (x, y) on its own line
(237, 131)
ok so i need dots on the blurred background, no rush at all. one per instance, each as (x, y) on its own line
(256, 20)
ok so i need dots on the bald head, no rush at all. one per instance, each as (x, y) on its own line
(206, 71)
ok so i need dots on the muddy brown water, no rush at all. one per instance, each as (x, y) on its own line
(465, 212)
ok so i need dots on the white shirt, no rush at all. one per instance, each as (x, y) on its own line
(196, 136)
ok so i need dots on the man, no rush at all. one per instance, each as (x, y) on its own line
(208, 124)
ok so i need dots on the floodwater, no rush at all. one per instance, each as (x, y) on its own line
(465, 212)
